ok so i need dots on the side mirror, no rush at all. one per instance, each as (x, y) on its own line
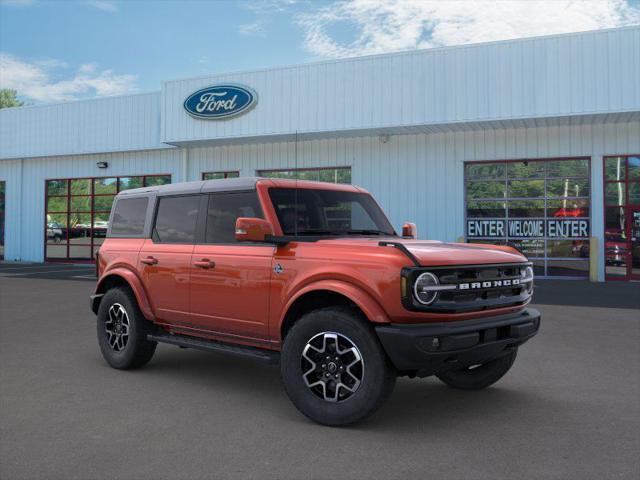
(409, 230)
(252, 229)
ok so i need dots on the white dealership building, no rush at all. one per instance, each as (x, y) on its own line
(533, 142)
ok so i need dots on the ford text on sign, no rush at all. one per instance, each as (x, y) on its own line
(220, 101)
(520, 228)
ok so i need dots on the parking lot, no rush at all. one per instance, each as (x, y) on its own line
(570, 407)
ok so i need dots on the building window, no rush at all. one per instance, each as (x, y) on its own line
(2, 210)
(219, 175)
(330, 174)
(622, 217)
(77, 212)
(541, 207)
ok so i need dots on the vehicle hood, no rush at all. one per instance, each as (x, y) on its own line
(432, 253)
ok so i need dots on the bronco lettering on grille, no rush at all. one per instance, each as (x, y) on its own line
(489, 284)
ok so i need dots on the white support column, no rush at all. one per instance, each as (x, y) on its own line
(184, 163)
(597, 214)
(21, 241)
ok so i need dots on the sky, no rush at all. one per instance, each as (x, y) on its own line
(59, 50)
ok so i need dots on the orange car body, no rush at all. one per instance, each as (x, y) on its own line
(245, 293)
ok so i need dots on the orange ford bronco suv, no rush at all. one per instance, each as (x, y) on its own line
(311, 276)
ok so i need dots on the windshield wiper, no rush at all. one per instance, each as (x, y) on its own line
(344, 232)
(369, 232)
(321, 232)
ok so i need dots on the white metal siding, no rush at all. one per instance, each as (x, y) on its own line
(547, 77)
(90, 126)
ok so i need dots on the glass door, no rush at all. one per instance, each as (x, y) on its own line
(622, 217)
(634, 242)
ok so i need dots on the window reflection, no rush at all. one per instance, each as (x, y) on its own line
(526, 208)
(80, 187)
(128, 183)
(57, 187)
(220, 175)
(56, 231)
(486, 209)
(568, 168)
(633, 167)
(485, 171)
(489, 189)
(572, 207)
(568, 188)
(614, 221)
(614, 193)
(544, 199)
(157, 180)
(77, 212)
(331, 175)
(105, 185)
(103, 203)
(57, 204)
(526, 169)
(634, 193)
(614, 168)
(80, 204)
(526, 188)
(568, 248)
(530, 248)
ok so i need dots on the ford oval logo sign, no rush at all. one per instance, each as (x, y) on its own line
(220, 101)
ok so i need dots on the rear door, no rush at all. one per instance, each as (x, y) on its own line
(164, 260)
(230, 280)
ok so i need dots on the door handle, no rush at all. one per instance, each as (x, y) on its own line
(204, 263)
(149, 261)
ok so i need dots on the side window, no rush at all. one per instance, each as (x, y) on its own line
(176, 219)
(128, 217)
(224, 209)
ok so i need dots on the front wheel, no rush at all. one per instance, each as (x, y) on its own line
(477, 377)
(334, 369)
(122, 330)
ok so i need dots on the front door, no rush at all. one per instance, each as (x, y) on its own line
(230, 280)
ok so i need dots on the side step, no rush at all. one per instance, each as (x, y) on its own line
(184, 341)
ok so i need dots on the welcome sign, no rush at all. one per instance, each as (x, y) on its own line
(219, 102)
(528, 228)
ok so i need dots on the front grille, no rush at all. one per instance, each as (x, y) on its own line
(472, 287)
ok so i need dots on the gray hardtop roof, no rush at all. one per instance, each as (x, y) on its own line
(202, 186)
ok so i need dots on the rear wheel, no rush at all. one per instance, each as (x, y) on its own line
(334, 368)
(477, 377)
(122, 330)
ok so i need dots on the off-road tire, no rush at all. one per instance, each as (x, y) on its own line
(481, 376)
(137, 351)
(378, 375)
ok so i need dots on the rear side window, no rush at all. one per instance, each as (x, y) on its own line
(223, 211)
(128, 217)
(176, 219)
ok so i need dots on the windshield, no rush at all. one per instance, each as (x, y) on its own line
(328, 212)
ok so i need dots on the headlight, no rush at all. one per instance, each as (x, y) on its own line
(425, 288)
(526, 278)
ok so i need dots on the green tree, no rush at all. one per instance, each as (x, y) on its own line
(8, 98)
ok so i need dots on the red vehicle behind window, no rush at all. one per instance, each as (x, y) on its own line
(311, 276)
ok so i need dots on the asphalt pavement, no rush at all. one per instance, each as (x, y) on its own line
(568, 409)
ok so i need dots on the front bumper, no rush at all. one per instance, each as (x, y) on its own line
(426, 349)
